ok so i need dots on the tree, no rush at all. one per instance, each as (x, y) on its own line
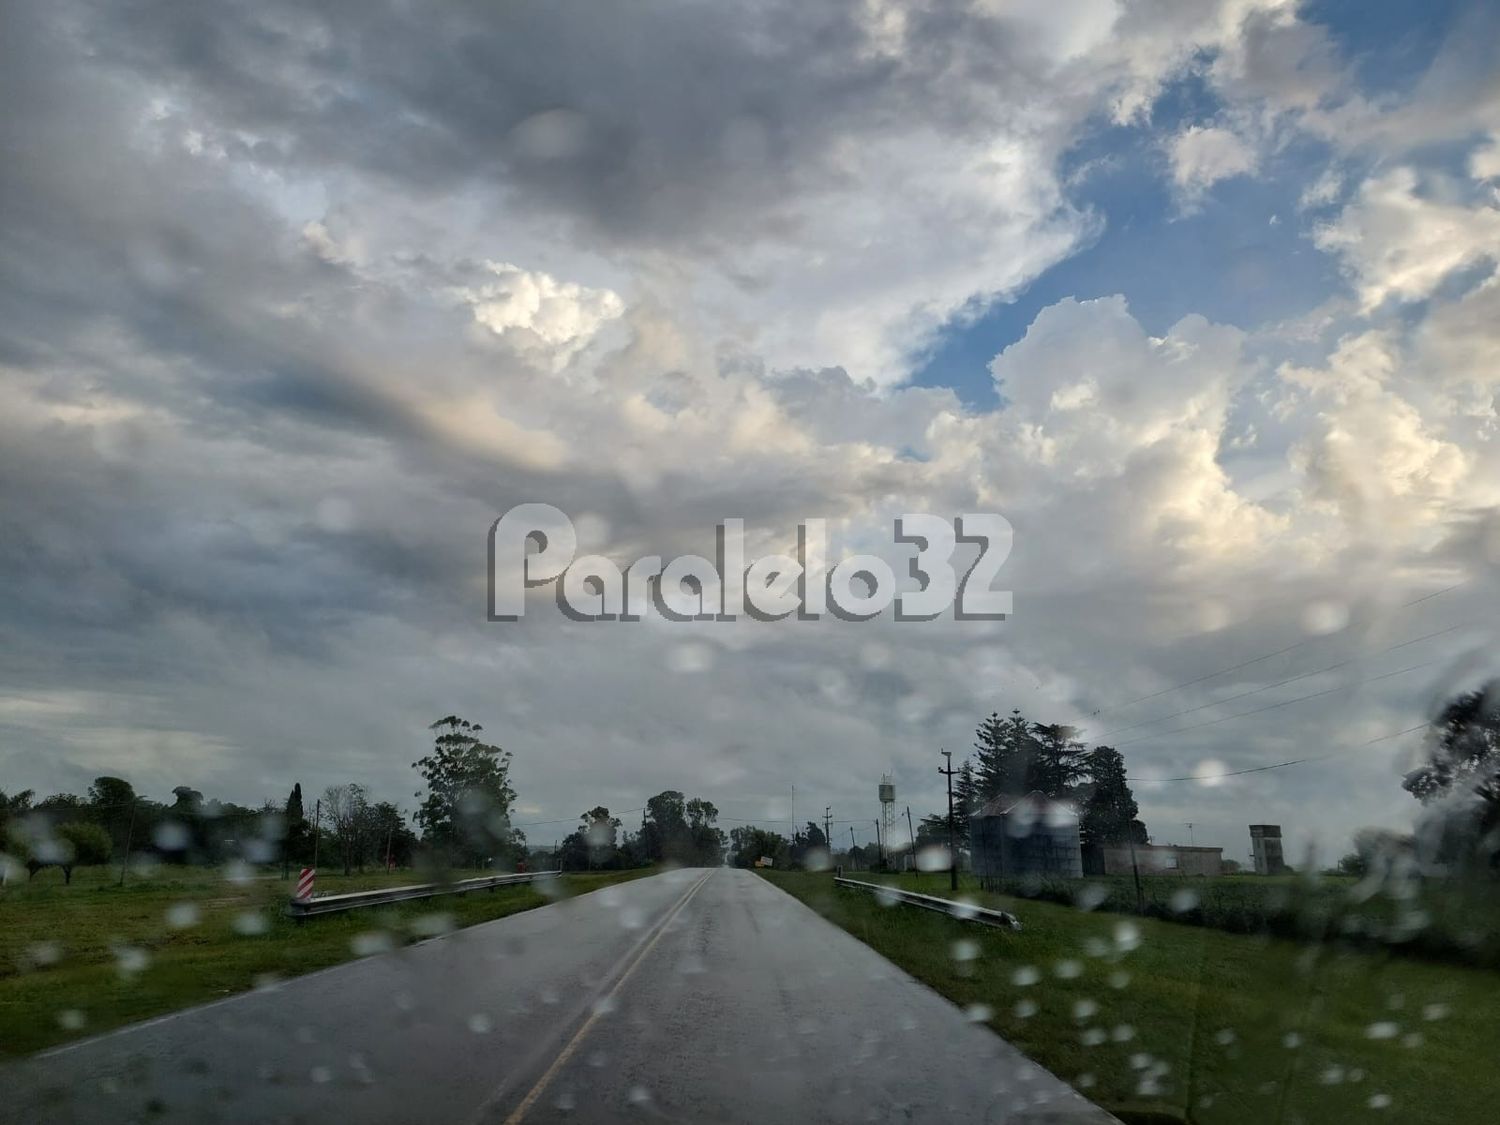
(599, 835)
(465, 812)
(297, 840)
(1462, 774)
(808, 843)
(1463, 749)
(664, 827)
(1003, 749)
(349, 822)
(13, 806)
(390, 836)
(74, 844)
(1058, 760)
(1109, 810)
(112, 802)
(748, 844)
(90, 844)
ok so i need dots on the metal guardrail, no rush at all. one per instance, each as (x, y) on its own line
(963, 911)
(334, 904)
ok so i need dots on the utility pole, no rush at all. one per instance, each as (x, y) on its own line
(792, 822)
(828, 827)
(1190, 833)
(912, 832)
(129, 832)
(317, 820)
(879, 847)
(948, 771)
(851, 845)
(1135, 868)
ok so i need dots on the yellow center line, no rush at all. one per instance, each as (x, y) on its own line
(572, 1045)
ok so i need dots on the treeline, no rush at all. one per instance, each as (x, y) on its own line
(462, 819)
(1014, 756)
(674, 829)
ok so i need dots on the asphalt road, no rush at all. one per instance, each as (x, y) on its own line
(694, 996)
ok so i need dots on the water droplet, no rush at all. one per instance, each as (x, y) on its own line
(432, 924)
(1331, 1075)
(1184, 900)
(1085, 1081)
(1068, 969)
(251, 923)
(481, 1024)
(1090, 896)
(171, 836)
(1127, 936)
(605, 1005)
(1224, 1036)
(1412, 1039)
(1119, 979)
(965, 949)
(1025, 1009)
(71, 1019)
(1124, 1033)
(1083, 1009)
(1291, 1040)
(321, 1075)
(181, 915)
(1434, 1011)
(1025, 975)
(370, 943)
(44, 953)
(1379, 1101)
(934, 857)
(130, 960)
(1385, 1029)
(979, 1013)
(632, 918)
(1325, 616)
(565, 1101)
(639, 1095)
(690, 657)
(1093, 1036)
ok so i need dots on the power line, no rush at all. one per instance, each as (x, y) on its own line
(1277, 765)
(1283, 683)
(1283, 703)
(1257, 659)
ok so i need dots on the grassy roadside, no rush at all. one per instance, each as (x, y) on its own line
(1150, 1017)
(81, 959)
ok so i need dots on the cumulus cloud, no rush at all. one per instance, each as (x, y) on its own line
(1397, 242)
(538, 314)
(1202, 155)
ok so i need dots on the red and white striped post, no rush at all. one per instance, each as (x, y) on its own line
(305, 883)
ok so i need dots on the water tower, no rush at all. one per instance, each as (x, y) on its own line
(887, 812)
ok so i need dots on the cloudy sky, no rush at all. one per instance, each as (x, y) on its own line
(296, 300)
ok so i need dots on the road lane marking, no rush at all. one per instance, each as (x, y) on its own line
(572, 1045)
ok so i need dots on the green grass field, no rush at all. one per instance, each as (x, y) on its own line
(80, 959)
(1159, 1021)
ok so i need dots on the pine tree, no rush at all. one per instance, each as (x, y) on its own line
(1004, 749)
(1057, 761)
(1109, 812)
(294, 810)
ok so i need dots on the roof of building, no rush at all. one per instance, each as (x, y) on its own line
(1036, 803)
